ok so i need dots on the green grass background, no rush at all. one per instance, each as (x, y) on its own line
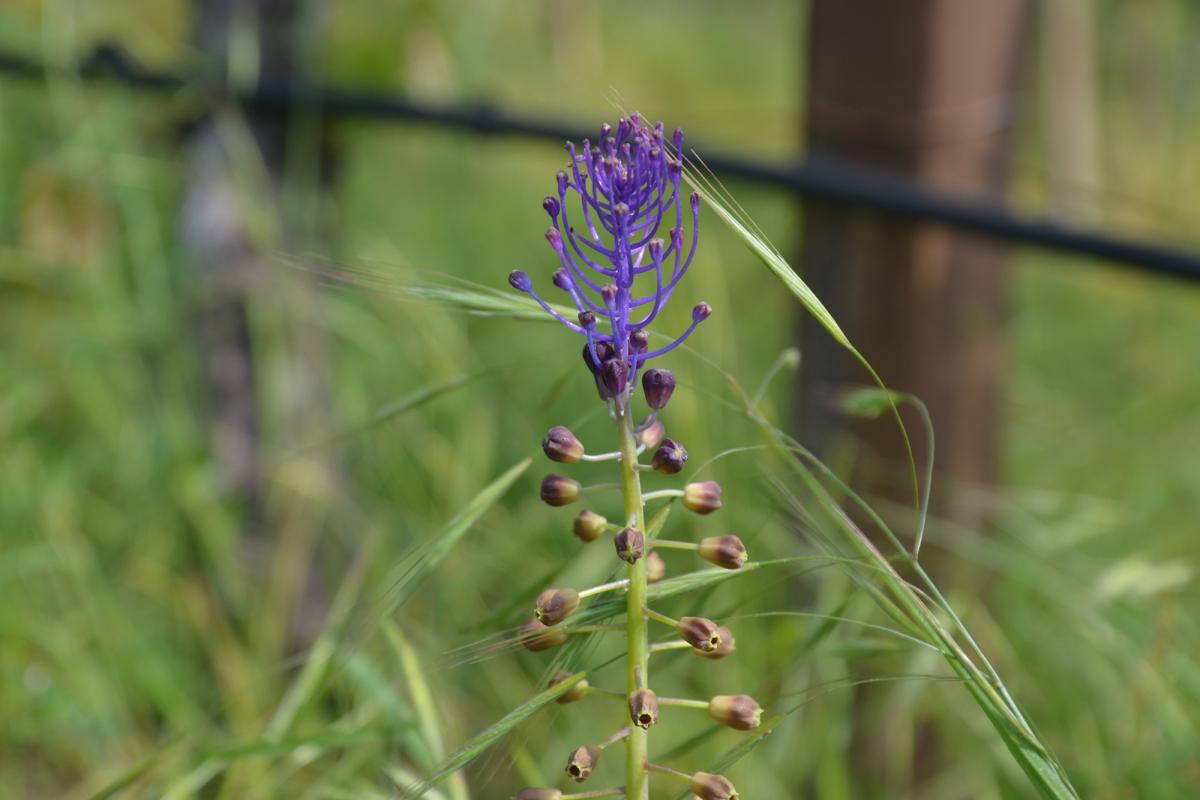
(139, 641)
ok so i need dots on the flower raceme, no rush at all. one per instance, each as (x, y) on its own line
(621, 248)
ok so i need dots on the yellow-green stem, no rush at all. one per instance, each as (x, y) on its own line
(637, 787)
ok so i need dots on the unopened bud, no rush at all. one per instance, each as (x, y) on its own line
(589, 526)
(562, 182)
(519, 281)
(613, 375)
(561, 445)
(643, 708)
(555, 239)
(582, 761)
(608, 293)
(656, 568)
(555, 605)
(652, 434)
(739, 711)
(562, 279)
(703, 497)
(723, 649)
(577, 691)
(630, 544)
(604, 351)
(535, 636)
(639, 342)
(701, 312)
(656, 249)
(702, 634)
(669, 458)
(695, 201)
(587, 319)
(724, 551)
(559, 491)
(538, 794)
(551, 206)
(658, 384)
(713, 787)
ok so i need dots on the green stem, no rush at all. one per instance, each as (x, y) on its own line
(682, 702)
(637, 787)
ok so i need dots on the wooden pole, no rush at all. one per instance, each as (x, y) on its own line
(927, 89)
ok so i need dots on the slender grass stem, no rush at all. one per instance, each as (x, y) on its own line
(637, 784)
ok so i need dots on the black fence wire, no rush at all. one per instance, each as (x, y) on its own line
(816, 180)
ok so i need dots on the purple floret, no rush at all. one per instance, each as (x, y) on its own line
(626, 186)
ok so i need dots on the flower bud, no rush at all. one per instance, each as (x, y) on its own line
(738, 711)
(656, 249)
(555, 605)
(639, 342)
(587, 319)
(652, 434)
(702, 634)
(630, 544)
(656, 568)
(577, 691)
(658, 384)
(613, 375)
(723, 649)
(562, 182)
(550, 204)
(535, 636)
(519, 281)
(724, 551)
(703, 497)
(695, 201)
(538, 794)
(713, 787)
(562, 279)
(559, 491)
(643, 708)
(608, 293)
(589, 526)
(669, 458)
(604, 351)
(555, 240)
(582, 761)
(701, 312)
(561, 445)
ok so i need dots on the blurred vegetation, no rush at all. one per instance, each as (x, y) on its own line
(144, 651)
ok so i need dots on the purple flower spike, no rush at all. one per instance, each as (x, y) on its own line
(621, 246)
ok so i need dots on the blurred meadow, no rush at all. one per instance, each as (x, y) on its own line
(168, 629)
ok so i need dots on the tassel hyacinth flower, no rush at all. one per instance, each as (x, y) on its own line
(619, 231)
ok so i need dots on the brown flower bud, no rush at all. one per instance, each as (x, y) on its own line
(577, 691)
(559, 491)
(582, 761)
(561, 445)
(700, 633)
(656, 568)
(538, 794)
(643, 708)
(652, 434)
(724, 551)
(738, 711)
(589, 526)
(658, 385)
(669, 458)
(723, 649)
(713, 787)
(703, 497)
(630, 544)
(555, 605)
(535, 636)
